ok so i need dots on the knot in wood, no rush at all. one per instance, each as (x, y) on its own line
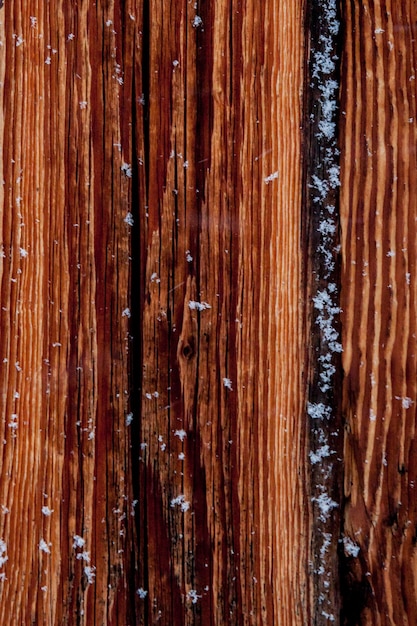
(187, 349)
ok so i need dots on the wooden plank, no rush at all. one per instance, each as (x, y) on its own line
(223, 341)
(65, 479)
(378, 210)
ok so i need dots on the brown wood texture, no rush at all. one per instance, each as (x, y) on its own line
(66, 89)
(176, 247)
(379, 213)
(223, 340)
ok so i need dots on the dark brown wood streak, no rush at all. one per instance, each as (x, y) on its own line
(321, 226)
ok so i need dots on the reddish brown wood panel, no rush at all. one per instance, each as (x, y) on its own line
(67, 540)
(223, 341)
(379, 213)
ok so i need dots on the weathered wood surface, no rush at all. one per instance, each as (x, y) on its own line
(170, 290)
(65, 282)
(223, 403)
(379, 213)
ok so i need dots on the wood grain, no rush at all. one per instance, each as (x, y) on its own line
(66, 89)
(146, 116)
(224, 523)
(173, 265)
(378, 211)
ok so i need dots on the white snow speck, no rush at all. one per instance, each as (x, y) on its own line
(126, 313)
(227, 383)
(79, 542)
(321, 453)
(127, 170)
(351, 548)
(181, 434)
(89, 572)
(43, 546)
(142, 593)
(129, 419)
(319, 411)
(326, 505)
(47, 511)
(3, 555)
(129, 219)
(198, 306)
(271, 177)
(193, 596)
(406, 402)
(181, 502)
(197, 22)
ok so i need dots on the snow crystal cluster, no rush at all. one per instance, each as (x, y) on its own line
(193, 596)
(198, 306)
(44, 547)
(3, 553)
(351, 548)
(89, 570)
(181, 502)
(126, 168)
